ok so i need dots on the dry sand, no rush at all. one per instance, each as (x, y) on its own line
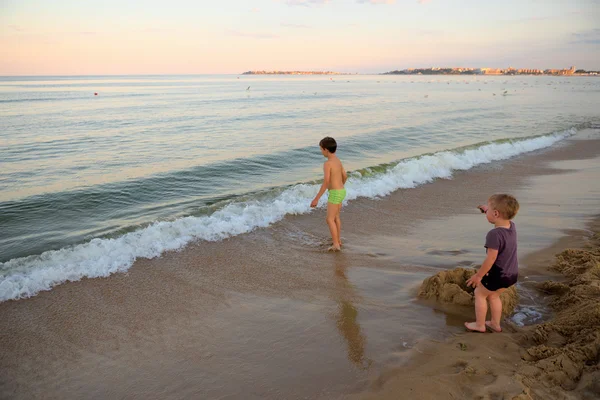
(557, 359)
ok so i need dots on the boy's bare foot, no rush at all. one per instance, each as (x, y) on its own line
(472, 327)
(492, 327)
(334, 248)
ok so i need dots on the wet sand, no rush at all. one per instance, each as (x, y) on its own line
(270, 314)
(556, 359)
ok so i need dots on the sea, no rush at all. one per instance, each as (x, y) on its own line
(97, 172)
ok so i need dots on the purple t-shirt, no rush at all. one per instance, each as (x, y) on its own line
(505, 241)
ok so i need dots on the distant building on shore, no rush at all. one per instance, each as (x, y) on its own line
(569, 71)
(491, 71)
(526, 71)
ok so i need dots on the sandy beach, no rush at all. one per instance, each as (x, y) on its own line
(282, 200)
(556, 359)
(270, 314)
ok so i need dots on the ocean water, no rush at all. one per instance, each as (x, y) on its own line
(89, 183)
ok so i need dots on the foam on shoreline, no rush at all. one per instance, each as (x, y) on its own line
(101, 257)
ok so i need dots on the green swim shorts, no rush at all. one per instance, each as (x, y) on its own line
(336, 196)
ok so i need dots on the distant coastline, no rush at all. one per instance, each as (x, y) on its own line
(294, 73)
(491, 71)
(572, 71)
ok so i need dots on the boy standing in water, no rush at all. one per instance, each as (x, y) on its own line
(500, 268)
(334, 179)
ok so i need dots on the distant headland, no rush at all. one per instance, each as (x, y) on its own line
(490, 71)
(447, 71)
(293, 73)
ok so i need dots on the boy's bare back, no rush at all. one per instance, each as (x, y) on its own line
(337, 175)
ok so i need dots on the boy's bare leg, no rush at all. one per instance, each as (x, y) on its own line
(481, 295)
(332, 210)
(496, 310)
(338, 223)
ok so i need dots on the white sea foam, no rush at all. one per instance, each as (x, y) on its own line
(25, 277)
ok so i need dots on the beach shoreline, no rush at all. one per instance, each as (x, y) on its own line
(240, 318)
(509, 365)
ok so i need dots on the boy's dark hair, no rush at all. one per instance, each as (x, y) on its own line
(328, 143)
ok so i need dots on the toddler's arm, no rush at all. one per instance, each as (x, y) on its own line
(490, 259)
(344, 176)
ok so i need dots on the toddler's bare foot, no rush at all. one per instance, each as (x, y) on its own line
(493, 327)
(334, 248)
(472, 327)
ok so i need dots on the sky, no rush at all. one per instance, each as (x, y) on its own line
(59, 37)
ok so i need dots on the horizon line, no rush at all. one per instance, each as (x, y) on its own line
(242, 73)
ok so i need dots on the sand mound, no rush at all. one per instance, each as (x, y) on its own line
(451, 287)
(563, 352)
(567, 348)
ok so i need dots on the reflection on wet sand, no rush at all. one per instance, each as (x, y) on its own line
(347, 314)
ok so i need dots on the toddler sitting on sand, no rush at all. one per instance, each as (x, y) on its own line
(500, 268)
